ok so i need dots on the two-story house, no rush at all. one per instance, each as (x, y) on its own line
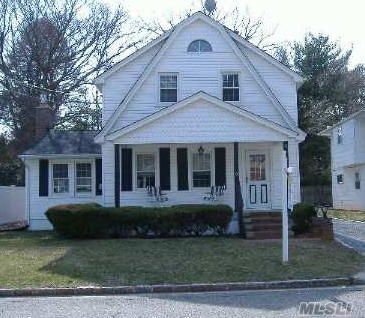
(348, 161)
(199, 107)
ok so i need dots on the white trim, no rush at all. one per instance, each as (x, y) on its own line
(69, 193)
(102, 77)
(328, 130)
(60, 156)
(241, 55)
(93, 177)
(201, 95)
(296, 77)
(134, 166)
(194, 150)
(238, 73)
(178, 90)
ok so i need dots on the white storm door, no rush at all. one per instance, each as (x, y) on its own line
(258, 180)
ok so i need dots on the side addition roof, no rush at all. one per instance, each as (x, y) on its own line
(65, 143)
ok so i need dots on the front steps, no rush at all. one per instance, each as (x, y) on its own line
(263, 225)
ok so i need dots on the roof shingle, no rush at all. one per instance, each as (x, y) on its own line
(66, 142)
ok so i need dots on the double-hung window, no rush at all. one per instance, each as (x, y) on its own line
(83, 177)
(168, 87)
(60, 178)
(231, 87)
(145, 170)
(201, 170)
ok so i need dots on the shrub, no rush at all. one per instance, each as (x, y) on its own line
(94, 221)
(302, 217)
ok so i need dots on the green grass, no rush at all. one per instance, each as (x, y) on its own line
(347, 215)
(43, 259)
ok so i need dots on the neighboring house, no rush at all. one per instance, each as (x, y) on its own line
(348, 162)
(197, 107)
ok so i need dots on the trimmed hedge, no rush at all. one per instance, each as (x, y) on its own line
(302, 217)
(95, 221)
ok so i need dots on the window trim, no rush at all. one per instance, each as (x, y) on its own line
(339, 136)
(134, 164)
(191, 164)
(231, 72)
(51, 179)
(84, 194)
(159, 87)
(357, 180)
(199, 52)
(337, 178)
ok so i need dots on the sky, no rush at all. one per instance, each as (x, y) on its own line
(344, 21)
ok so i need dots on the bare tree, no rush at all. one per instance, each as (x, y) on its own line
(238, 20)
(56, 47)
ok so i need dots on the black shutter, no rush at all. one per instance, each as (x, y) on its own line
(182, 169)
(117, 175)
(220, 166)
(127, 172)
(43, 178)
(165, 182)
(98, 177)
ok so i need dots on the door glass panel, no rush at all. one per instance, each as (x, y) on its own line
(257, 167)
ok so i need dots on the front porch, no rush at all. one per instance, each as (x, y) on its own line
(193, 145)
(186, 173)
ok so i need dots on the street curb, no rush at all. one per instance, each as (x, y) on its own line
(147, 289)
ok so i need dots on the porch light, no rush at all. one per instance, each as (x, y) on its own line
(201, 150)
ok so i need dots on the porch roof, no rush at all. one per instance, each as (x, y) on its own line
(203, 118)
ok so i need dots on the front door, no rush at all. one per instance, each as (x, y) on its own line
(258, 180)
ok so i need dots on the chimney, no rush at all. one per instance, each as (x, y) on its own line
(43, 117)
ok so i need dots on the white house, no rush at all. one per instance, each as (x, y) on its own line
(195, 108)
(348, 161)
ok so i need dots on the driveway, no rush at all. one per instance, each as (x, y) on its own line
(268, 304)
(350, 233)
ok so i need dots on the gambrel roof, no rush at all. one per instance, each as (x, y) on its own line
(168, 38)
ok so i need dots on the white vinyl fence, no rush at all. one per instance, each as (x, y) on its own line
(12, 204)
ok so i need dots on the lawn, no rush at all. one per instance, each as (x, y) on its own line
(347, 215)
(43, 259)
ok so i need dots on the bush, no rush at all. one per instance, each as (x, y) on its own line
(302, 217)
(94, 221)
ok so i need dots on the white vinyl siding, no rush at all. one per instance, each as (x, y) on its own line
(37, 206)
(203, 72)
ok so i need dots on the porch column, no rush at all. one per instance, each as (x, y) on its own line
(117, 175)
(238, 202)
